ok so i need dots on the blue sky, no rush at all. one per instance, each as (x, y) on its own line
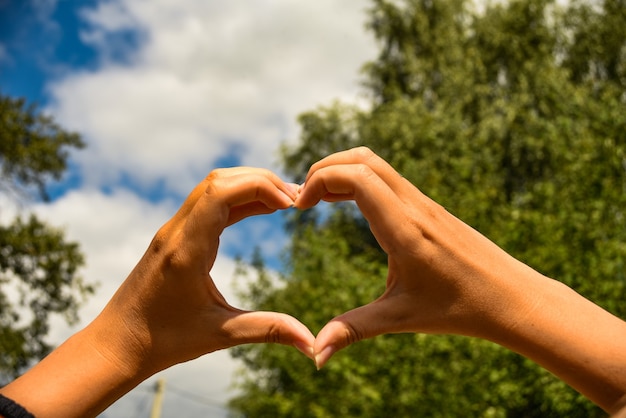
(39, 39)
(162, 92)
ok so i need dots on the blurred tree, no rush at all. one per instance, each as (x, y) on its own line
(38, 268)
(514, 118)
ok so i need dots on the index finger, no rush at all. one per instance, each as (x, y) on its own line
(380, 205)
(222, 194)
(365, 156)
(245, 194)
(225, 173)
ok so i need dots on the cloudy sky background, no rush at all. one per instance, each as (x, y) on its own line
(163, 91)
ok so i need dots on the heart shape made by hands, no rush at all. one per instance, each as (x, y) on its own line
(433, 257)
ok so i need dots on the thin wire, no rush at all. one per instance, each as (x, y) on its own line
(196, 397)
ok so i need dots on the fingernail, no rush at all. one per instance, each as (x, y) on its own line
(293, 188)
(322, 357)
(305, 349)
(288, 200)
(299, 191)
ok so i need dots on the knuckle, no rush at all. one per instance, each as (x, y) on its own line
(267, 173)
(365, 173)
(160, 240)
(175, 260)
(364, 170)
(273, 333)
(170, 255)
(212, 184)
(211, 188)
(352, 334)
(216, 174)
(362, 153)
(216, 215)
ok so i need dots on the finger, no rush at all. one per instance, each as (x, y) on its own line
(376, 318)
(224, 173)
(363, 155)
(342, 182)
(377, 201)
(261, 206)
(269, 327)
(247, 194)
(239, 213)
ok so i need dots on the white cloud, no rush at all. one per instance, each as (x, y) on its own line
(207, 74)
(113, 232)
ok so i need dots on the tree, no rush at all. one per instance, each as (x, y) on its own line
(513, 118)
(38, 267)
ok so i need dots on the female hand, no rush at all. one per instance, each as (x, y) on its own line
(445, 277)
(168, 310)
(436, 278)
(169, 303)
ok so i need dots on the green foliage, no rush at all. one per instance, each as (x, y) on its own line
(38, 267)
(513, 118)
(33, 148)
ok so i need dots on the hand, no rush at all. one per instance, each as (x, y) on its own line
(168, 310)
(443, 275)
(169, 306)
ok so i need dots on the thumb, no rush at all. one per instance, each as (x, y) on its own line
(269, 327)
(358, 324)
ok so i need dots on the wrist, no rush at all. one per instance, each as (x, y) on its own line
(116, 346)
(80, 378)
(122, 340)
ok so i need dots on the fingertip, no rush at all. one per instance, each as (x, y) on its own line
(301, 199)
(286, 200)
(329, 340)
(303, 340)
(323, 356)
(346, 329)
(306, 349)
(293, 189)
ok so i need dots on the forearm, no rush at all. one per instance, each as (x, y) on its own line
(517, 307)
(570, 336)
(78, 379)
